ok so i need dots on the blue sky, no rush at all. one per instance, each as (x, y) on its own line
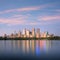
(16, 15)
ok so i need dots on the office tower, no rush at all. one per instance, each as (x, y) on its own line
(5, 35)
(12, 35)
(27, 33)
(24, 32)
(44, 35)
(38, 33)
(33, 32)
(16, 35)
(30, 34)
(19, 34)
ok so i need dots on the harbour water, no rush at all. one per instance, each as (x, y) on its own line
(29, 48)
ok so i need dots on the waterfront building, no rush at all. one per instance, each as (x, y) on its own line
(27, 33)
(16, 35)
(44, 35)
(50, 35)
(38, 33)
(30, 34)
(19, 34)
(5, 35)
(33, 32)
(12, 36)
(24, 32)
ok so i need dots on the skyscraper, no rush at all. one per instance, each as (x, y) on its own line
(38, 33)
(33, 32)
(19, 34)
(24, 32)
(27, 33)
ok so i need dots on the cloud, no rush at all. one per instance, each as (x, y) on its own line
(18, 19)
(20, 9)
(12, 21)
(49, 18)
(20, 16)
(58, 10)
(31, 8)
(38, 23)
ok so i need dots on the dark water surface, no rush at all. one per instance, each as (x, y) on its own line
(29, 48)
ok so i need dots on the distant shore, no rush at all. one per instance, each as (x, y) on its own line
(47, 38)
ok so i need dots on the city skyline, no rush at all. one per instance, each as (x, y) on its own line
(25, 33)
(16, 15)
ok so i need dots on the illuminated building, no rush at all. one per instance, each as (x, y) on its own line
(5, 35)
(24, 32)
(27, 33)
(16, 35)
(44, 35)
(33, 32)
(30, 34)
(38, 33)
(12, 36)
(19, 34)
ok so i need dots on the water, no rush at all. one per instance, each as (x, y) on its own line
(29, 48)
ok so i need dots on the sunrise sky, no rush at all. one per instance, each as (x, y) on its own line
(16, 15)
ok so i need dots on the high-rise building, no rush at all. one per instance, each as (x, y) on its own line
(12, 36)
(19, 34)
(27, 33)
(24, 32)
(5, 35)
(44, 34)
(33, 32)
(38, 33)
(30, 34)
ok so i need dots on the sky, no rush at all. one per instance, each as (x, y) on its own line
(17, 15)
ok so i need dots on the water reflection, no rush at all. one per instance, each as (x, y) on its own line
(33, 47)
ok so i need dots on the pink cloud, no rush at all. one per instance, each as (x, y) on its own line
(26, 9)
(12, 21)
(7, 11)
(48, 18)
(58, 10)
(20, 16)
(37, 23)
(33, 23)
(15, 19)
(20, 9)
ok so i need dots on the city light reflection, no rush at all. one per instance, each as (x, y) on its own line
(26, 46)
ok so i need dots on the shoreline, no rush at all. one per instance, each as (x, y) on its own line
(47, 38)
